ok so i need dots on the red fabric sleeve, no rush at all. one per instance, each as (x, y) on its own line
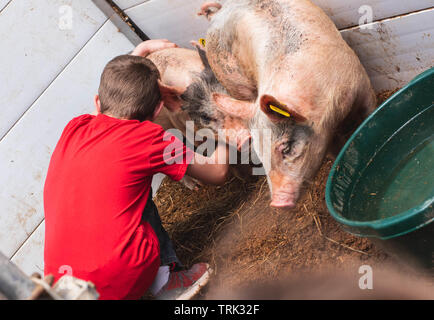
(169, 155)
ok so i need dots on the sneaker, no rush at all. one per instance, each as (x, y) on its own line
(184, 285)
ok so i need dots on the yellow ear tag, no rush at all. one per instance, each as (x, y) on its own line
(280, 111)
(202, 41)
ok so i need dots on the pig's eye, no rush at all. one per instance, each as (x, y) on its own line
(286, 150)
(293, 150)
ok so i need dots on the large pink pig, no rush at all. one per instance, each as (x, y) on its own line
(299, 81)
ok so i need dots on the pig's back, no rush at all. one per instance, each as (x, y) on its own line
(248, 37)
(176, 63)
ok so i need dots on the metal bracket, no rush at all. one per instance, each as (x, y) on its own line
(136, 36)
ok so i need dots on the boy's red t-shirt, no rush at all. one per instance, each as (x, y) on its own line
(97, 186)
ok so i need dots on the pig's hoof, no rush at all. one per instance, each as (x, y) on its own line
(191, 183)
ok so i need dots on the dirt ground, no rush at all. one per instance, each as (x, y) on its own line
(245, 241)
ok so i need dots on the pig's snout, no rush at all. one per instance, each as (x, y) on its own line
(284, 190)
(283, 200)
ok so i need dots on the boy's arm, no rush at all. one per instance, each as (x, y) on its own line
(210, 170)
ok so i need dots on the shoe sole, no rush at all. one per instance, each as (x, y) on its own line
(195, 288)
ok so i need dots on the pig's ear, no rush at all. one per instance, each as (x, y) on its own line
(277, 111)
(171, 96)
(202, 53)
(233, 107)
(208, 9)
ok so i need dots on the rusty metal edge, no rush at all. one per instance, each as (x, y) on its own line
(123, 27)
(14, 284)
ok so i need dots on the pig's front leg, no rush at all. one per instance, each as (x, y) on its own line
(221, 157)
(191, 183)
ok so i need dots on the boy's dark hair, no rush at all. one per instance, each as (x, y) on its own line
(129, 88)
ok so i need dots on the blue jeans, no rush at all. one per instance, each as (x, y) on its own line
(167, 252)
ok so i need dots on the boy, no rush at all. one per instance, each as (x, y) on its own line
(100, 220)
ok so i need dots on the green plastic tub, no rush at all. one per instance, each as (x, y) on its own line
(382, 183)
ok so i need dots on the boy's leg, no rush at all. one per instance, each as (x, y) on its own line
(167, 252)
(170, 284)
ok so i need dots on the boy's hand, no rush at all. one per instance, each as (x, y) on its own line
(211, 170)
(150, 46)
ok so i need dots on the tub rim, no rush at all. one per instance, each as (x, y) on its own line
(378, 226)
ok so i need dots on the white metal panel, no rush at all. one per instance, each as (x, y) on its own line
(345, 13)
(35, 49)
(30, 257)
(3, 4)
(156, 182)
(26, 150)
(126, 4)
(175, 20)
(395, 50)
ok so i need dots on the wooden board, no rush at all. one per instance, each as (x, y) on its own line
(395, 50)
(26, 150)
(38, 49)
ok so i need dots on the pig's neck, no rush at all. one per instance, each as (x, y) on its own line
(273, 81)
(271, 76)
(249, 50)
